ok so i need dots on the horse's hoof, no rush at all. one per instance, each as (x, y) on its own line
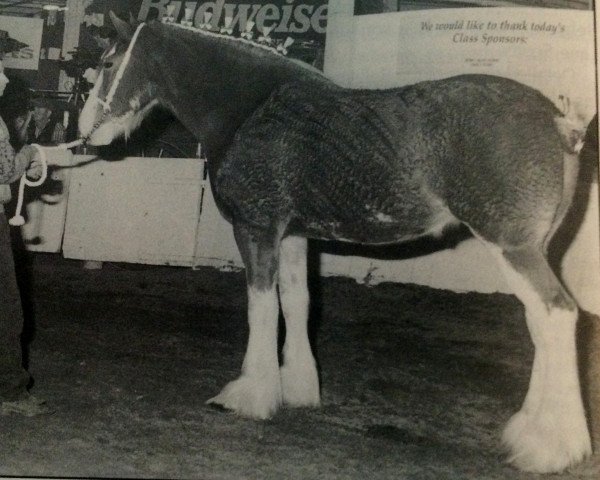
(218, 407)
(250, 397)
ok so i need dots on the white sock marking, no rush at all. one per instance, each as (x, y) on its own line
(299, 377)
(550, 431)
(257, 392)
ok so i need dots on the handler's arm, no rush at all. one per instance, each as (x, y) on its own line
(12, 166)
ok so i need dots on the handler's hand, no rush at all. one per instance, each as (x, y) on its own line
(34, 168)
(34, 171)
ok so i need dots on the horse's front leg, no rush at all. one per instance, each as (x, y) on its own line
(257, 392)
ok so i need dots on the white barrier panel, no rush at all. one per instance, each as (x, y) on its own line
(140, 210)
(215, 244)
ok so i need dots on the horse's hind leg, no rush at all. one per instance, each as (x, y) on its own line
(257, 392)
(299, 379)
(550, 431)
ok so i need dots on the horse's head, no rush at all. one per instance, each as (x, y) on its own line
(123, 92)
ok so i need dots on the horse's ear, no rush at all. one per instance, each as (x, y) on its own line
(123, 28)
(132, 20)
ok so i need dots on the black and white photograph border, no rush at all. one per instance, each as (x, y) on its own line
(321, 271)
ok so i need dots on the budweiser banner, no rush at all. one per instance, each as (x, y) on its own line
(293, 17)
(305, 21)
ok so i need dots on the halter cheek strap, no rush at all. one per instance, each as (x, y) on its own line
(113, 88)
(106, 103)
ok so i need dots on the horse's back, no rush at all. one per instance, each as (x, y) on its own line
(388, 164)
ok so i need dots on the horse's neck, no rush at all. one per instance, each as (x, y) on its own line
(213, 85)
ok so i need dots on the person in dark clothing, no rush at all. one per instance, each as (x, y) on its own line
(41, 124)
(14, 379)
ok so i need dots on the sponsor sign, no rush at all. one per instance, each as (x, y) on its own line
(283, 17)
(27, 31)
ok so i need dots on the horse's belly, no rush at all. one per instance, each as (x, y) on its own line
(370, 224)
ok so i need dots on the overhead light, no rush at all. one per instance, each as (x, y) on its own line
(54, 8)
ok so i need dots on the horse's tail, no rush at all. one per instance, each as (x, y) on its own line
(572, 131)
(589, 153)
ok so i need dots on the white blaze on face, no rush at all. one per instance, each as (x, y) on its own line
(92, 109)
(112, 51)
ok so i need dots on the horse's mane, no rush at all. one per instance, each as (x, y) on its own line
(246, 46)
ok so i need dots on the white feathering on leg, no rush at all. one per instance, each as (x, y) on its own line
(299, 378)
(257, 392)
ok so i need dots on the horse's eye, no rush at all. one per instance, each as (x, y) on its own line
(107, 64)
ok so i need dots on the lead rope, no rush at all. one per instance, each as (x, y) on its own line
(18, 219)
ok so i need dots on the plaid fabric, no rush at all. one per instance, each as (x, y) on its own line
(12, 166)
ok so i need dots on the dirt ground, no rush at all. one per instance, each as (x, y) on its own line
(416, 383)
